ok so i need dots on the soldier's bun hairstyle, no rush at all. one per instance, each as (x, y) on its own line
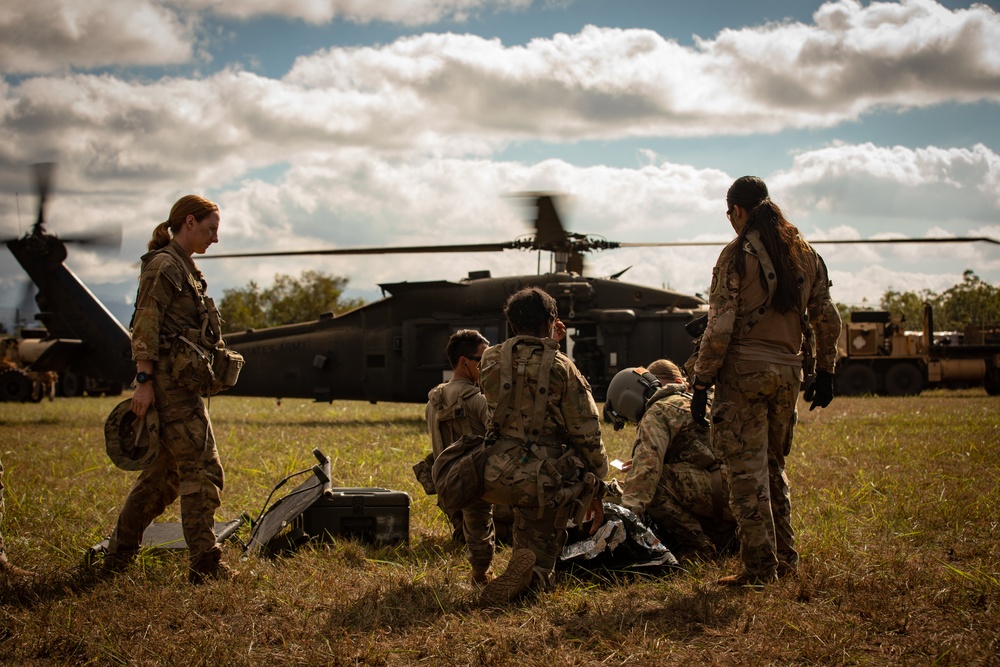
(780, 238)
(187, 205)
(666, 369)
(464, 343)
(529, 311)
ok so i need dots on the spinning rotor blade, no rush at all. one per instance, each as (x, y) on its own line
(475, 247)
(947, 239)
(43, 182)
(108, 239)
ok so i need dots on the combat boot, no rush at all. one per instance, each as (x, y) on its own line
(482, 577)
(8, 569)
(786, 569)
(201, 573)
(514, 580)
(117, 562)
(748, 580)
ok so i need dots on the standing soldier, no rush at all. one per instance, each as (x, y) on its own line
(770, 299)
(674, 477)
(6, 567)
(172, 315)
(545, 454)
(456, 408)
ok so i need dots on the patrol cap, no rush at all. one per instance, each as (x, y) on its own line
(131, 444)
(628, 392)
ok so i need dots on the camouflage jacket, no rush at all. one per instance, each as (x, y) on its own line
(571, 415)
(455, 408)
(667, 435)
(166, 303)
(742, 324)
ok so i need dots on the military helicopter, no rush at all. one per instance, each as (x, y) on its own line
(391, 349)
(85, 344)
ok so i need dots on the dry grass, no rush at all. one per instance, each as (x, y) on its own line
(897, 504)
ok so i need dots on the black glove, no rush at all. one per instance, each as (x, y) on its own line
(820, 390)
(699, 406)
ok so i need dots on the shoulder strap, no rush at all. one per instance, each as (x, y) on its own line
(754, 246)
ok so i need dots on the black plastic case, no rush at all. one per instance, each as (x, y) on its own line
(378, 516)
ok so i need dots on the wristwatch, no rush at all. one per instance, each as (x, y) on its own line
(142, 378)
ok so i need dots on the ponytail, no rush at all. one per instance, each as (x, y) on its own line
(187, 205)
(779, 237)
(161, 237)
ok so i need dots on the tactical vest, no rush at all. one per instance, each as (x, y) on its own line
(747, 321)
(451, 419)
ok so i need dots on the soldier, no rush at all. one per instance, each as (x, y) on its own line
(545, 454)
(171, 311)
(770, 299)
(674, 476)
(6, 567)
(456, 408)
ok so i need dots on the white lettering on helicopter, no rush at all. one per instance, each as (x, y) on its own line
(271, 349)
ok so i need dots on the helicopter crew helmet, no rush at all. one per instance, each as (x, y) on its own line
(131, 444)
(628, 392)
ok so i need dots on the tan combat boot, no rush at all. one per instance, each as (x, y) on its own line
(514, 580)
(8, 569)
(482, 577)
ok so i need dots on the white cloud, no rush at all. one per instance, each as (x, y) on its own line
(949, 184)
(406, 12)
(54, 35)
(449, 91)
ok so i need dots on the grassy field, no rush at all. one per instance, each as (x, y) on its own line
(897, 508)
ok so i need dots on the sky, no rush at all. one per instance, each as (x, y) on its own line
(345, 123)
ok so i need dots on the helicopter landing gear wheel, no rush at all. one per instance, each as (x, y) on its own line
(15, 386)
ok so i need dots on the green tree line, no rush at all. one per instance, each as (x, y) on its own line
(287, 301)
(971, 302)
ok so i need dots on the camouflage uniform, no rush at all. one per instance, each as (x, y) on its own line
(546, 441)
(755, 356)
(167, 306)
(677, 479)
(3, 555)
(454, 409)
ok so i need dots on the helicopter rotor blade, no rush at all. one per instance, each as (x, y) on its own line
(43, 183)
(947, 239)
(104, 240)
(474, 247)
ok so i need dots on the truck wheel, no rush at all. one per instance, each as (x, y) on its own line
(856, 380)
(15, 386)
(70, 384)
(903, 380)
(992, 381)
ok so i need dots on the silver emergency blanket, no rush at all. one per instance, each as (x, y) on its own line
(623, 542)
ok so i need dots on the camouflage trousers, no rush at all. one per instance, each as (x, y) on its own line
(536, 491)
(684, 508)
(753, 421)
(189, 467)
(1, 511)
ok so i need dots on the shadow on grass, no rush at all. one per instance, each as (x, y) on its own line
(395, 605)
(317, 423)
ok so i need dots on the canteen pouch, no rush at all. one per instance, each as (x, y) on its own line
(190, 366)
(458, 472)
(226, 366)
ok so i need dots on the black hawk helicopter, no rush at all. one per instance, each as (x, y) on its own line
(391, 349)
(85, 344)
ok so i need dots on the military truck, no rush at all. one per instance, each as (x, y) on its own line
(35, 366)
(876, 356)
(18, 382)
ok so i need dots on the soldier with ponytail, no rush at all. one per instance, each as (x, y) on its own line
(169, 337)
(769, 305)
